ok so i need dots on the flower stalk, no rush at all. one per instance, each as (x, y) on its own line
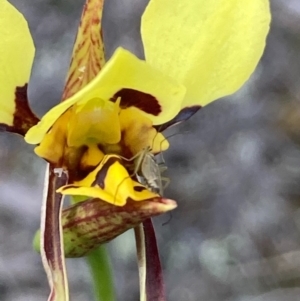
(101, 274)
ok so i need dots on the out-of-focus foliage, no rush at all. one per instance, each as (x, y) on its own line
(235, 172)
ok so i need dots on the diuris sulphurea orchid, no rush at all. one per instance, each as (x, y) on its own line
(131, 88)
(196, 51)
(201, 58)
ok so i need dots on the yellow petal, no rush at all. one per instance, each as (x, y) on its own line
(88, 52)
(122, 71)
(110, 182)
(211, 46)
(124, 74)
(16, 57)
(52, 147)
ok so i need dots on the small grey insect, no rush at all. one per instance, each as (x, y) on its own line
(148, 171)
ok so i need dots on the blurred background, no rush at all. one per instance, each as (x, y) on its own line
(234, 170)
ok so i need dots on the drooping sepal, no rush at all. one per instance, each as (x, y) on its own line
(51, 237)
(155, 286)
(141, 259)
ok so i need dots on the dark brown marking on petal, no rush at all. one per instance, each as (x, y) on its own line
(183, 115)
(140, 100)
(139, 188)
(24, 118)
(72, 161)
(101, 175)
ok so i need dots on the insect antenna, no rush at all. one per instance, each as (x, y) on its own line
(170, 218)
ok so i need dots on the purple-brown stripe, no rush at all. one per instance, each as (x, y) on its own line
(102, 173)
(23, 118)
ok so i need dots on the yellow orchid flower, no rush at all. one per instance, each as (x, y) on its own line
(195, 52)
(194, 55)
(116, 96)
(82, 153)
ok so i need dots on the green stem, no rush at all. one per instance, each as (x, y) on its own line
(101, 273)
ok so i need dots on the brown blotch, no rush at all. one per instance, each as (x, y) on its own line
(101, 175)
(140, 100)
(71, 160)
(24, 118)
(139, 188)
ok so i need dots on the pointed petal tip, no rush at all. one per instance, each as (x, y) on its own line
(156, 206)
(169, 204)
